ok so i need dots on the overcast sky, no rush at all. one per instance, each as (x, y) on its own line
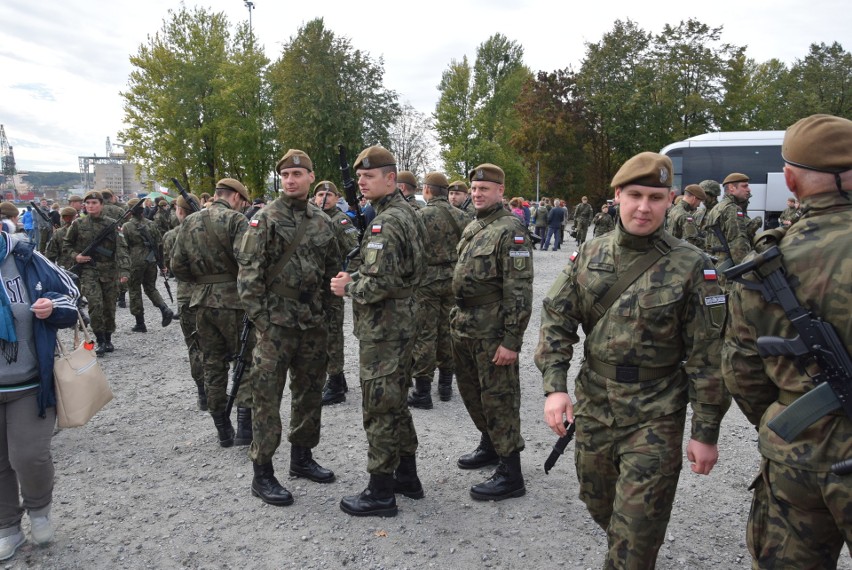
(64, 62)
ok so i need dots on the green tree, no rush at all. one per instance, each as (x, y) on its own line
(411, 140)
(823, 80)
(754, 95)
(454, 118)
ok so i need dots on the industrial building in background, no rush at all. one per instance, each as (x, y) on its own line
(126, 179)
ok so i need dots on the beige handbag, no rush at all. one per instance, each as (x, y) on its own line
(81, 385)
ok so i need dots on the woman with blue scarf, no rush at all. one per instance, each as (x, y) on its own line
(36, 299)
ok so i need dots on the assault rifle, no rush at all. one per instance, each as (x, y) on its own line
(109, 231)
(349, 191)
(240, 368)
(155, 251)
(559, 447)
(41, 213)
(185, 194)
(816, 341)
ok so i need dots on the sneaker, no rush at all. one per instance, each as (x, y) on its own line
(9, 544)
(41, 530)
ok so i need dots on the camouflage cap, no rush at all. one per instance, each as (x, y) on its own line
(326, 186)
(735, 177)
(487, 172)
(819, 142)
(9, 210)
(132, 202)
(645, 169)
(74, 198)
(459, 186)
(436, 179)
(93, 195)
(182, 203)
(711, 187)
(374, 157)
(696, 191)
(67, 211)
(294, 158)
(235, 186)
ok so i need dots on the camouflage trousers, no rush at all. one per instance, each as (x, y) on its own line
(143, 277)
(334, 317)
(491, 393)
(433, 344)
(219, 339)
(188, 326)
(102, 293)
(385, 380)
(303, 354)
(628, 477)
(582, 227)
(798, 518)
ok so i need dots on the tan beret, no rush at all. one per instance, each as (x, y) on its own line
(182, 203)
(67, 211)
(9, 210)
(106, 193)
(436, 179)
(235, 185)
(132, 202)
(294, 158)
(645, 169)
(710, 187)
(406, 177)
(819, 142)
(459, 186)
(374, 157)
(696, 191)
(74, 198)
(326, 186)
(487, 172)
(735, 177)
(93, 195)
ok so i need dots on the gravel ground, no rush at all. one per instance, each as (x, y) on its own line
(146, 485)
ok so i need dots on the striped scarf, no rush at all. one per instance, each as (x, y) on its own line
(8, 338)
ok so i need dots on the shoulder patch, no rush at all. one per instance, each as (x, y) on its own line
(574, 256)
(519, 239)
(376, 229)
(710, 275)
(254, 222)
(521, 253)
(344, 221)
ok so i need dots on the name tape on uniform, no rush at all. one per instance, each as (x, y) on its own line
(523, 253)
(714, 300)
(375, 245)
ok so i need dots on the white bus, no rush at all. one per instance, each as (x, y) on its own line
(757, 154)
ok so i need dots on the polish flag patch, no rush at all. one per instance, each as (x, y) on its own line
(574, 255)
(376, 229)
(344, 222)
(740, 214)
(710, 275)
(254, 223)
(519, 239)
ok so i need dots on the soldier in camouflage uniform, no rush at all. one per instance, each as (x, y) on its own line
(392, 262)
(681, 217)
(800, 514)
(458, 195)
(731, 219)
(647, 353)
(112, 210)
(790, 214)
(583, 214)
(326, 196)
(143, 243)
(406, 183)
(204, 255)
(56, 250)
(603, 222)
(100, 271)
(287, 258)
(492, 285)
(712, 189)
(186, 314)
(165, 218)
(434, 296)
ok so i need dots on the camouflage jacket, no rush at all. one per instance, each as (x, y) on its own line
(495, 260)
(392, 260)
(681, 224)
(444, 225)
(56, 250)
(345, 231)
(113, 211)
(165, 220)
(671, 316)
(816, 260)
(732, 220)
(414, 202)
(583, 212)
(208, 260)
(603, 224)
(110, 257)
(134, 232)
(297, 294)
(789, 214)
(184, 289)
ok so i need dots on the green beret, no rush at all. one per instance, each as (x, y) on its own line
(294, 158)
(9, 210)
(234, 185)
(819, 142)
(182, 203)
(106, 193)
(711, 187)
(326, 186)
(407, 177)
(487, 173)
(93, 195)
(374, 157)
(132, 202)
(735, 177)
(67, 211)
(645, 169)
(436, 179)
(696, 191)
(74, 198)
(459, 186)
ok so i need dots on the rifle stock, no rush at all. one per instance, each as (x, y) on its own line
(240, 367)
(349, 191)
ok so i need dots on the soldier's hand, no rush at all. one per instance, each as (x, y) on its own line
(42, 308)
(338, 283)
(703, 456)
(558, 408)
(504, 356)
(82, 258)
(123, 280)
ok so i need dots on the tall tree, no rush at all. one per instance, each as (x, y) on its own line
(824, 82)
(454, 118)
(411, 140)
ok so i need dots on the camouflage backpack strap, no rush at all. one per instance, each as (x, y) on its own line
(229, 260)
(291, 248)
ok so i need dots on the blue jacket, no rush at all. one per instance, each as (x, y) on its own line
(44, 279)
(555, 217)
(27, 220)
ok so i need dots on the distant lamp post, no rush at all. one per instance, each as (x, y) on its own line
(250, 6)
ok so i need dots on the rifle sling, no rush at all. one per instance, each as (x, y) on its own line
(291, 249)
(449, 217)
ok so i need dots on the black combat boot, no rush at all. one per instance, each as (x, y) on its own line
(445, 385)
(267, 487)
(108, 342)
(140, 324)
(377, 500)
(405, 479)
(122, 301)
(335, 390)
(168, 315)
(100, 349)
(506, 482)
(244, 433)
(482, 456)
(302, 464)
(202, 399)
(421, 396)
(224, 428)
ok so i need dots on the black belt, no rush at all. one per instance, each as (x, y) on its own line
(478, 300)
(630, 374)
(301, 296)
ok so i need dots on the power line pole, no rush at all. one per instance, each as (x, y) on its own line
(250, 6)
